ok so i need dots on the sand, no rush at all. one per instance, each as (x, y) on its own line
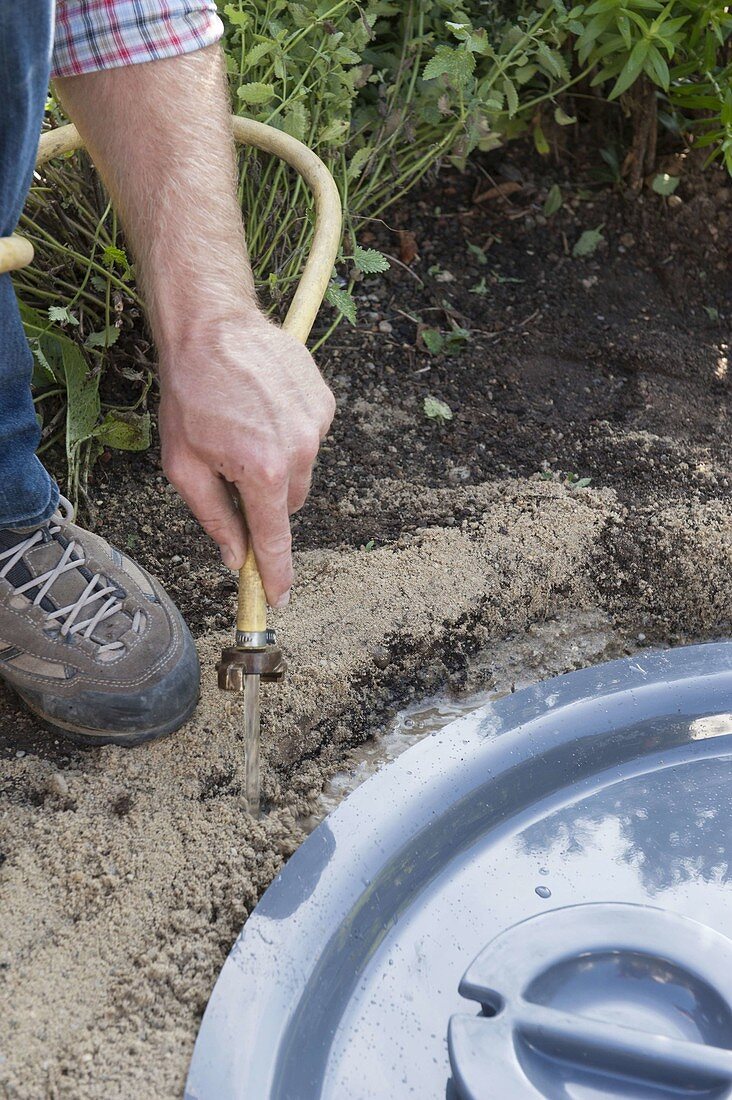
(127, 875)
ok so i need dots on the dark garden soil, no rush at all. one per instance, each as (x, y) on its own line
(586, 470)
(613, 367)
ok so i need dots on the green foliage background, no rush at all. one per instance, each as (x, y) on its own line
(383, 91)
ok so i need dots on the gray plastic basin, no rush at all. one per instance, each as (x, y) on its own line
(537, 901)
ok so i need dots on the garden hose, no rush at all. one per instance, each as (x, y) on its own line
(255, 653)
(15, 252)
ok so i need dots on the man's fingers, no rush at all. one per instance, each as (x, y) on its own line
(268, 521)
(298, 491)
(210, 499)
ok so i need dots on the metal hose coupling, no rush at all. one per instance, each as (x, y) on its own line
(238, 661)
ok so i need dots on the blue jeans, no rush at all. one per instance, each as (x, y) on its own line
(28, 495)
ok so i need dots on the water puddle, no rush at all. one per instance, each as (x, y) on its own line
(547, 649)
(408, 727)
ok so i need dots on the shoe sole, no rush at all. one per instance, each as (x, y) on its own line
(95, 738)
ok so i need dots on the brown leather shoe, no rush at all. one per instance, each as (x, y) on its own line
(91, 643)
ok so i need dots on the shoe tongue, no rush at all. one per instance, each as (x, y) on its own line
(68, 587)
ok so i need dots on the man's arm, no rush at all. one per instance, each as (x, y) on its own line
(242, 403)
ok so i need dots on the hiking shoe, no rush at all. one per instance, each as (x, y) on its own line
(91, 643)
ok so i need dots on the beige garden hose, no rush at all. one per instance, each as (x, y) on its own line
(17, 252)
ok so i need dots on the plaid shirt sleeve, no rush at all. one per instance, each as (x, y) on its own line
(105, 34)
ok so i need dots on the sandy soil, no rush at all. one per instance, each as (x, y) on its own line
(126, 876)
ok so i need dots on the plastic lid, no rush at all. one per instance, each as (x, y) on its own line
(535, 902)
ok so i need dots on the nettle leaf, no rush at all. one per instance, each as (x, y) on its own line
(553, 201)
(103, 339)
(588, 242)
(346, 56)
(125, 431)
(478, 43)
(460, 30)
(458, 64)
(540, 142)
(236, 18)
(437, 410)
(343, 301)
(562, 118)
(300, 16)
(256, 52)
(115, 257)
(43, 375)
(334, 131)
(456, 339)
(255, 92)
(358, 162)
(552, 61)
(297, 121)
(525, 73)
(82, 396)
(663, 184)
(512, 99)
(61, 315)
(370, 261)
(433, 340)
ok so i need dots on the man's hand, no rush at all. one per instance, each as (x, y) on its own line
(243, 406)
(245, 411)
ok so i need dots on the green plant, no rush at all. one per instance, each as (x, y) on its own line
(85, 424)
(450, 343)
(553, 201)
(384, 91)
(588, 243)
(78, 301)
(679, 47)
(434, 409)
(569, 481)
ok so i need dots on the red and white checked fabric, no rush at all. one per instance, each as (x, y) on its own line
(105, 34)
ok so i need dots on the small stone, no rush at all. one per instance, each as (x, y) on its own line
(58, 785)
(176, 559)
(675, 201)
(385, 326)
(380, 656)
(627, 240)
(458, 474)
(20, 754)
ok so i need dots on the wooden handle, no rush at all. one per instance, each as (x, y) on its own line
(251, 613)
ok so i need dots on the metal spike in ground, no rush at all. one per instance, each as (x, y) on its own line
(252, 781)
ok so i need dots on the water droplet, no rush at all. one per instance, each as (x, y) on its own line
(543, 870)
(543, 891)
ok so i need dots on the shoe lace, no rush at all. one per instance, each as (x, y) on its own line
(98, 589)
